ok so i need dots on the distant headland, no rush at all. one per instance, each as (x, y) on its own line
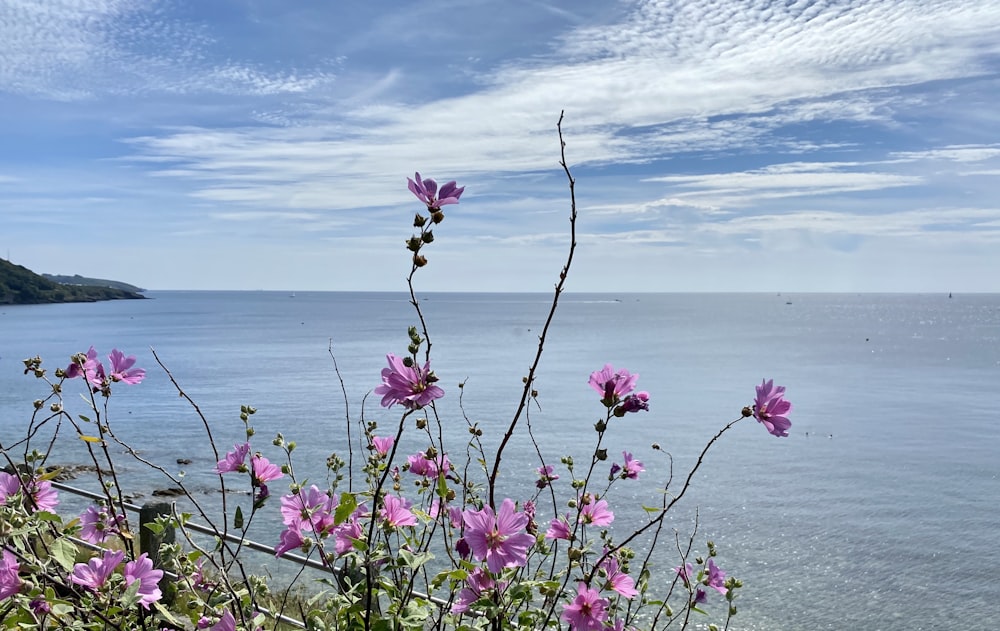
(21, 286)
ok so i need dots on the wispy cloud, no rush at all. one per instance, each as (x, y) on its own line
(687, 121)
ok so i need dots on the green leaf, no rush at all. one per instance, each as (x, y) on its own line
(131, 596)
(64, 552)
(50, 475)
(406, 558)
(411, 560)
(238, 519)
(348, 502)
(154, 527)
(652, 509)
(47, 516)
(163, 611)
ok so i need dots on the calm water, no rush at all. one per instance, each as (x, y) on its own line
(879, 512)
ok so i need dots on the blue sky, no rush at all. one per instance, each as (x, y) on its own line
(837, 145)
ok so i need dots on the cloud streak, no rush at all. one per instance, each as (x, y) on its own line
(687, 120)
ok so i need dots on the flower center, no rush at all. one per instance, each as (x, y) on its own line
(494, 539)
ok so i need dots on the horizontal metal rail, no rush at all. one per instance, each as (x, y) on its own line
(247, 543)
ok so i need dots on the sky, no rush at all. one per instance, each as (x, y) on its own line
(717, 145)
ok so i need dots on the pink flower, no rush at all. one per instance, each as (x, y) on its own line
(92, 370)
(686, 572)
(40, 607)
(638, 402)
(121, 368)
(421, 465)
(37, 494)
(587, 612)
(770, 408)
(350, 531)
(235, 460)
(226, 623)
(497, 538)
(716, 578)
(611, 385)
(597, 513)
(97, 525)
(477, 583)
(454, 512)
(142, 570)
(10, 582)
(559, 529)
(291, 538)
(396, 512)
(545, 476)
(617, 580)
(410, 386)
(425, 190)
(630, 470)
(87, 367)
(95, 573)
(263, 470)
(309, 510)
(382, 445)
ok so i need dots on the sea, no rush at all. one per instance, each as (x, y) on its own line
(880, 510)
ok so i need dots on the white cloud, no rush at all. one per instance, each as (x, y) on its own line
(967, 153)
(764, 113)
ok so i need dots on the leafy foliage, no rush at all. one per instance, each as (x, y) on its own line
(21, 286)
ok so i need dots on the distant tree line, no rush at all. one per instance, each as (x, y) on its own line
(21, 286)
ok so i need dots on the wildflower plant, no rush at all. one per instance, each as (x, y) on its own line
(407, 540)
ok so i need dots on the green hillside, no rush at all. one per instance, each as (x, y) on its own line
(93, 282)
(21, 286)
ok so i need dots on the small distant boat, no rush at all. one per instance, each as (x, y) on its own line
(949, 294)
(291, 295)
(788, 302)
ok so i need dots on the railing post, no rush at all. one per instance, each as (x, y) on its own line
(149, 541)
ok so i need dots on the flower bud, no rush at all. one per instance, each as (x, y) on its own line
(600, 426)
(419, 221)
(421, 423)
(601, 454)
(408, 362)
(747, 411)
(419, 261)
(575, 554)
(427, 237)
(437, 216)
(413, 244)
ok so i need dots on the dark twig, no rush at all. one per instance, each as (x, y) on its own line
(530, 379)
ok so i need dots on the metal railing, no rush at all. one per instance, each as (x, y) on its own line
(152, 508)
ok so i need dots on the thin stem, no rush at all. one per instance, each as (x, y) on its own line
(530, 379)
